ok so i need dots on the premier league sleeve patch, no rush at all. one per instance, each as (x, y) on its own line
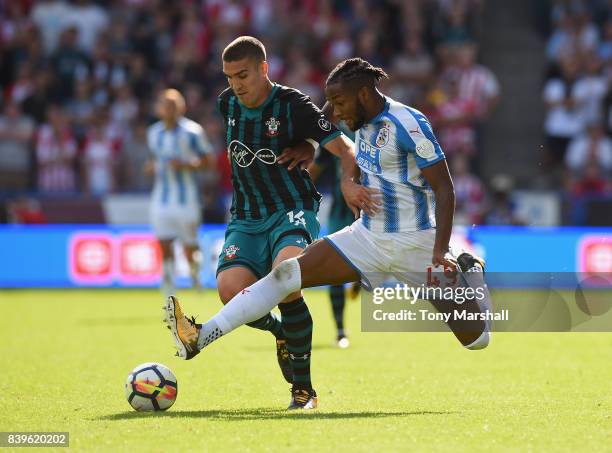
(324, 124)
(425, 149)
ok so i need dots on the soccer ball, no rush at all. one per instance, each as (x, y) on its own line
(151, 387)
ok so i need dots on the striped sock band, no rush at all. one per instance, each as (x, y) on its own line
(297, 326)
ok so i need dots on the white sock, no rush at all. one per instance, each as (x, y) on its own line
(474, 277)
(253, 302)
(481, 342)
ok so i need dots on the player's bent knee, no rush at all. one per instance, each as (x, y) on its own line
(286, 270)
(227, 292)
(292, 297)
(481, 342)
(231, 281)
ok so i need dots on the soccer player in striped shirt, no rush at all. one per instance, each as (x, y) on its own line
(401, 235)
(179, 148)
(274, 207)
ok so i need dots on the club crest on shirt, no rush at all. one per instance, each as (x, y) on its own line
(272, 124)
(230, 252)
(383, 136)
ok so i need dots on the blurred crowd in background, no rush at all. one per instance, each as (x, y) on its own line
(79, 79)
(577, 94)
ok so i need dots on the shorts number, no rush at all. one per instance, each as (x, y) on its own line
(297, 219)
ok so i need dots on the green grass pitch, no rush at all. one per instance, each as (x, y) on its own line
(65, 354)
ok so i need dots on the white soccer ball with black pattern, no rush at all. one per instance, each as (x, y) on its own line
(151, 387)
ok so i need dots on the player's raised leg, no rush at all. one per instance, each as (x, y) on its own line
(318, 265)
(245, 257)
(472, 271)
(233, 280)
(472, 334)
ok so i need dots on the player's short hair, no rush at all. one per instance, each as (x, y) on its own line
(358, 72)
(244, 47)
(175, 96)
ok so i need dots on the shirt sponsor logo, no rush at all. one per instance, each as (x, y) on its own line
(272, 124)
(368, 157)
(244, 156)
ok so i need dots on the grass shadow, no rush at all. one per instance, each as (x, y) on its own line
(268, 414)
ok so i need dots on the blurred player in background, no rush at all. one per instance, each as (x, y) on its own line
(402, 235)
(340, 216)
(274, 208)
(179, 148)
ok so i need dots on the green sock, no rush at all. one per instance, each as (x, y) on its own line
(297, 325)
(270, 322)
(336, 294)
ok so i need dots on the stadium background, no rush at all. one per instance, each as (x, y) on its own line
(518, 93)
(84, 74)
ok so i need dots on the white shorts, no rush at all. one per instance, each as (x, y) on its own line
(176, 223)
(381, 256)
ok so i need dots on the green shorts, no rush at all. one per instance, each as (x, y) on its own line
(256, 243)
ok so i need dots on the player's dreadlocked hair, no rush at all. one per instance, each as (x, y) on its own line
(357, 71)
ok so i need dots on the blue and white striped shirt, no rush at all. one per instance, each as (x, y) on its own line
(391, 150)
(176, 188)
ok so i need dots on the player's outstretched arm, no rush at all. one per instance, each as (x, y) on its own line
(440, 181)
(357, 197)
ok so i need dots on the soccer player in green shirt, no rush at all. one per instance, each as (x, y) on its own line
(274, 208)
